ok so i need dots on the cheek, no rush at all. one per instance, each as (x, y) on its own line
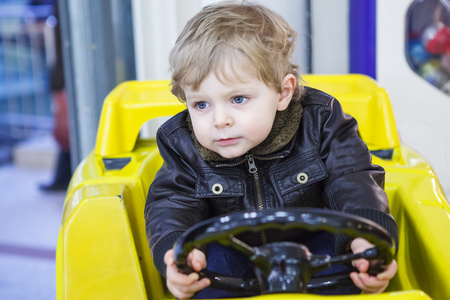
(201, 130)
(260, 125)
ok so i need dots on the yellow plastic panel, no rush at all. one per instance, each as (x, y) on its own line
(423, 217)
(363, 99)
(127, 108)
(432, 256)
(424, 245)
(409, 295)
(98, 251)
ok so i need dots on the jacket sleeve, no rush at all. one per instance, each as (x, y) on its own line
(171, 207)
(354, 184)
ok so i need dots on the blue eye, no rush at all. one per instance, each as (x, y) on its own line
(201, 105)
(239, 99)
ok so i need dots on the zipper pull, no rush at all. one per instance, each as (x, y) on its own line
(251, 164)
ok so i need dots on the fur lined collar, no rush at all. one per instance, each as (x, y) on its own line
(284, 128)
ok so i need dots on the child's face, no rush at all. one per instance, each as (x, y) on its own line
(232, 117)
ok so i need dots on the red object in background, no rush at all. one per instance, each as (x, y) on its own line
(440, 43)
(61, 126)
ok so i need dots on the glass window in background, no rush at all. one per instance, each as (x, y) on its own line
(428, 41)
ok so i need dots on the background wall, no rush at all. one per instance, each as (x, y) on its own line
(157, 24)
(330, 36)
(422, 112)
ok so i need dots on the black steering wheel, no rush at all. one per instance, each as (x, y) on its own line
(283, 266)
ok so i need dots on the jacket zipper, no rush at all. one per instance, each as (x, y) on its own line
(230, 165)
(254, 170)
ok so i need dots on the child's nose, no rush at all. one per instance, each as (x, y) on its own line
(223, 119)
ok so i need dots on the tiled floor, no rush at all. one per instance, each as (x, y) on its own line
(29, 224)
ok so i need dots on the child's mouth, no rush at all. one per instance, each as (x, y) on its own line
(227, 142)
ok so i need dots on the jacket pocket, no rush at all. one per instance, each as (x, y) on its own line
(298, 180)
(222, 189)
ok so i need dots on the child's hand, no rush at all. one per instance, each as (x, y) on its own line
(370, 284)
(184, 286)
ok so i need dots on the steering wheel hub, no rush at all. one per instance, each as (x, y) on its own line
(289, 268)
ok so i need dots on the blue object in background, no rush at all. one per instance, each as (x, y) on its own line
(363, 37)
(26, 43)
(417, 55)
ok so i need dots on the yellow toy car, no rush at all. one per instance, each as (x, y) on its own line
(102, 249)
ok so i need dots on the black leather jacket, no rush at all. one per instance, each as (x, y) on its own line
(325, 165)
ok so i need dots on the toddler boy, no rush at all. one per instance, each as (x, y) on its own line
(253, 138)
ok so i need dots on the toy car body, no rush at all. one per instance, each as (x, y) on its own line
(102, 249)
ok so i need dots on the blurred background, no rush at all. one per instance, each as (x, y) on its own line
(28, 218)
(60, 58)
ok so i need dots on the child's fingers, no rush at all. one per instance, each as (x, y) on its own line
(357, 280)
(361, 264)
(168, 258)
(179, 279)
(389, 272)
(373, 285)
(198, 266)
(184, 286)
(367, 283)
(197, 260)
(187, 291)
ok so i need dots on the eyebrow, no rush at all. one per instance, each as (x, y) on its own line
(194, 97)
(241, 90)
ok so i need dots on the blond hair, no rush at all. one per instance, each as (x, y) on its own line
(236, 33)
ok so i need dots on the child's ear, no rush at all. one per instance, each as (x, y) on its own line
(288, 85)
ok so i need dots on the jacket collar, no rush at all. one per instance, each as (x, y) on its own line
(284, 129)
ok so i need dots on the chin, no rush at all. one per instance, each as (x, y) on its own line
(227, 156)
(230, 155)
